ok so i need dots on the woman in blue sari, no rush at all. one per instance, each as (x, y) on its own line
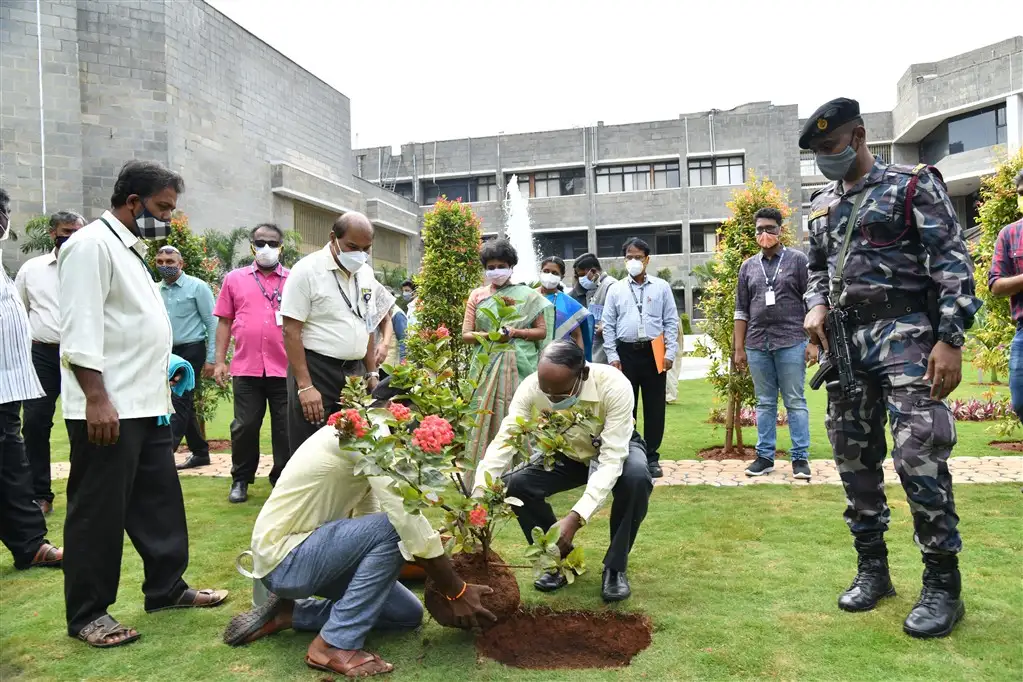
(571, 320)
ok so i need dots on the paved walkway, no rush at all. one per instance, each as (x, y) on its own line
(727, 472)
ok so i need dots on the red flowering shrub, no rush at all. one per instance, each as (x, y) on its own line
(478, 517)
(399, 412)
(433, 434)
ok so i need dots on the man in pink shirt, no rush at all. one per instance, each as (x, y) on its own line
(249, 310)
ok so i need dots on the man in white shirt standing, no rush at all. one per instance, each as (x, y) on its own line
(331, 306)
(37, 286)
(610, 462)
(22, 526)
(115, 352)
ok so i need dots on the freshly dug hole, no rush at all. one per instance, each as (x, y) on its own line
(473, 569)
(542, 639)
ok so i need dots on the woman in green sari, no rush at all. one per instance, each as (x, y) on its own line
(527, 334)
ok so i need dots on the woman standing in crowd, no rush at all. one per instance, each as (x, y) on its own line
(528, 334)
(571, 320)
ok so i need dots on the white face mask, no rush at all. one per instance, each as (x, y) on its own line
(267, 256)
(549, 280)
(352, 260)
(498, 277)
(634, 267)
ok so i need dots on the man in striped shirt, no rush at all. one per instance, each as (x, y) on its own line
(22, 527)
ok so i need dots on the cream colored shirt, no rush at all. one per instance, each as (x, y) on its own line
(37, 285)
(609, 395)
(312, 295)
(319, 485)
(113, 321)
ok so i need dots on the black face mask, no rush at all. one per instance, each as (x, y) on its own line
(60, 241)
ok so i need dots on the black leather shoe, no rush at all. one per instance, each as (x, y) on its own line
(615, 586)
(940, 605)
(193, 462)
(655, 470)
(872, 582)
(549, 582)
(239, 492)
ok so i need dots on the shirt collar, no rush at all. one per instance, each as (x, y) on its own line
(176, 283)
(589, 390)
(279, 270)
(873, 177)
(52, 257)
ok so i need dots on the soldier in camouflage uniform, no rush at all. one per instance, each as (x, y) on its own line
(908, 288)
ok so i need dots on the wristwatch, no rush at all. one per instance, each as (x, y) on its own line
(372, 375)
(954, 339)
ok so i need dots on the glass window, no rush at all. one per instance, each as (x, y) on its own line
(404, 189)
(553, 183)
(724, 170)
(703, 238)
(663, 239)
(636, 177)
(975, 130)
(666, 175)
(455, 189)
(486, 188)
(729, 171)
(701, 172)
(567, 245)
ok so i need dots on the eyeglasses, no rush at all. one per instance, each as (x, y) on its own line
(272, 243)
(770, 229)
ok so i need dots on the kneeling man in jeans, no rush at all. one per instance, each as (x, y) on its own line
(330, 533)
(770, 340)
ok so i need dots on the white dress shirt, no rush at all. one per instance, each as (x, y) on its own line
(37, 286)
(113, 321)
(609, 395)
(18, 380)
(312, 295)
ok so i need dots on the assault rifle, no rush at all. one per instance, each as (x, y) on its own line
(836, 364)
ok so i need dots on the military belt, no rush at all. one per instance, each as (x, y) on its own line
(897, 305)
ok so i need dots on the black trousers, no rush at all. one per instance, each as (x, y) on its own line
(184, 422)
(640, 369)
(533, 485)
(130, 486)
(38, 416)
(251, 397)
(22, 526)
(328, 376)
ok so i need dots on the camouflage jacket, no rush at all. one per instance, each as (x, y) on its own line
(885, 253)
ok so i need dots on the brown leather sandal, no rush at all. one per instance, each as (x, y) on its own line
(47, 556)
(350, 665)
(195, 599)
(95, 633)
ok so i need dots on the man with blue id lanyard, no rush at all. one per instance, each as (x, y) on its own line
(770, 341)
(331, 306)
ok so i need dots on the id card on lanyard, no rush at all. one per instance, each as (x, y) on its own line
(769, 294)
(274, 297)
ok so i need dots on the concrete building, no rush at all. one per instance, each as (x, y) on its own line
(255, 136)
(668, 181)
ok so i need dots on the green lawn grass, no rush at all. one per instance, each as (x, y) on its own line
(687, 431)
(732, 596)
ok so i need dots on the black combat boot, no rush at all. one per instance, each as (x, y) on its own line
(940, 606)
(872, 581)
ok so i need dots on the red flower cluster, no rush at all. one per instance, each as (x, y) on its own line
(399, 411)
(478, 517)
(433, 434)
(442, 332)
(349, 422)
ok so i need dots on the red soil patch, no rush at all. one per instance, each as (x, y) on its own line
(216, 445)
(541, 639)
(1008, 445)
(718, 453)
(471, 568)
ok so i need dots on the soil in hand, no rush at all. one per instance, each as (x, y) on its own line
(746, 454)
(542, 639)
(472, 569)
(1008, 445)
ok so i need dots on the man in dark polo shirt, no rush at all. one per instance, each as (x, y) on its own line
(769, 339)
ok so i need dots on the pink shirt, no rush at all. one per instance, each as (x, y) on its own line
(258, 340)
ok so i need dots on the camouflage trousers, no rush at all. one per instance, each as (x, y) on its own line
(890, 357)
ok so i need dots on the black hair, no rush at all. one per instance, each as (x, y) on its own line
(64, 218)
(768, 213)
(638, 243)
(566, 353)
(557, 261)
(498, 249)
(143, 178)
(587, 261)
(409, 283)
(5, 201)
(269, 226)
(1017, 182)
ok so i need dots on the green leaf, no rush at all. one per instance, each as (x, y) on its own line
(569, 576)
(513, 501)
(533, 551)
(538, 536)
(488, 478)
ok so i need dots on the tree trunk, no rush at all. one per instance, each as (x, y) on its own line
(729, 423)
(738, 432)
(202, 427)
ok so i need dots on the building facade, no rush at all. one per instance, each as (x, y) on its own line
(256, 137)
(668, 182)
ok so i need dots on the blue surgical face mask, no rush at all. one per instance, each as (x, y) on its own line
(570, 401)
(407, 295)
(587, 283)
(836, 166)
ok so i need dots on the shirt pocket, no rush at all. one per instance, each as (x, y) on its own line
(1017, 260)
(882, 223)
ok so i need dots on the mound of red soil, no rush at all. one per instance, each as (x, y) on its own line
(216, 445)
(542, 639)
(473, 569)
(718, 453)
(1008, 445)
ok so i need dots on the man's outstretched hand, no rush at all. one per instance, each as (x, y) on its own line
(568, 526)
(468, 608)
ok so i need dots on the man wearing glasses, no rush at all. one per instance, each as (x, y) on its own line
(249, 310)
(770, 341)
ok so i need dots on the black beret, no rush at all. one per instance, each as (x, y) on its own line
(827, 118)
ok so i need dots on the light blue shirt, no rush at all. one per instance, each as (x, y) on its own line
(189, 303)
(623, 322)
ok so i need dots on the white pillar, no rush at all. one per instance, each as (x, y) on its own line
(1014, 122)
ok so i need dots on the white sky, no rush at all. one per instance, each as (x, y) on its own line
(420, 70)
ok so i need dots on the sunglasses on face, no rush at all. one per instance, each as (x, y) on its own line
(272, 243)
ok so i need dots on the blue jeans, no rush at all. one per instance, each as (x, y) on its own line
(1016, 373)
(781, 369)
(354, 564)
